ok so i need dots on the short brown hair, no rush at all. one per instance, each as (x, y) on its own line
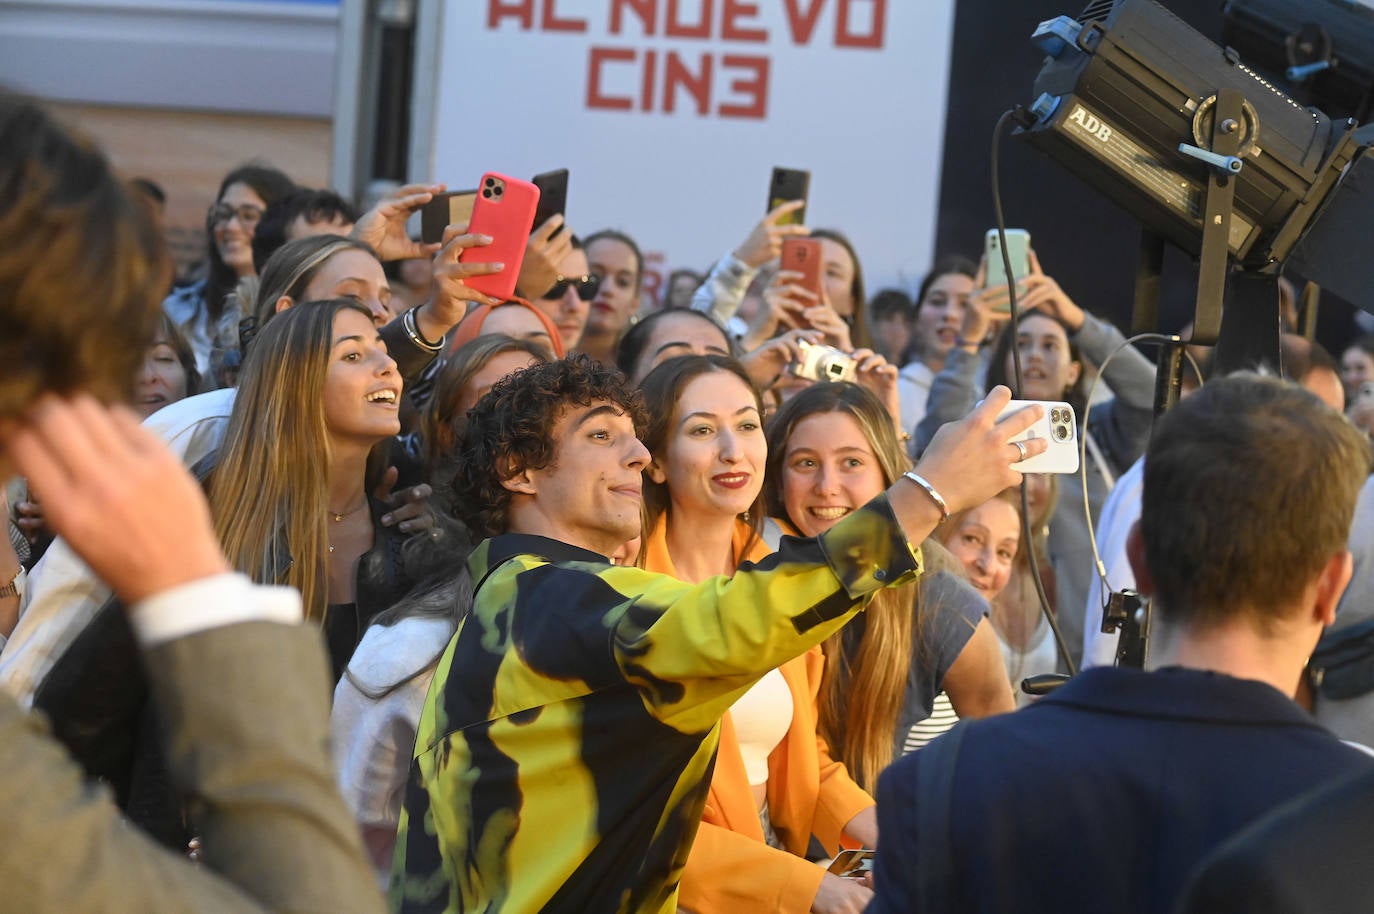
(1250, 488)
(508, 431)
(82, 268)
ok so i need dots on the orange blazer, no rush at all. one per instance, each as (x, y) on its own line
(730, 868)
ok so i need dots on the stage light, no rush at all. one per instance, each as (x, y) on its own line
(1202, 150)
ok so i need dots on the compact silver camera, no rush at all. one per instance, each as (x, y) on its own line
(823, 363)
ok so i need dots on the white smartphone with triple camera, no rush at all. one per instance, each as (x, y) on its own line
(1058, 426)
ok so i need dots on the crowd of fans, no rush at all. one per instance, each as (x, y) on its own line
(585, 569)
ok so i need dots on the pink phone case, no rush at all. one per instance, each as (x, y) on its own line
(504, 210)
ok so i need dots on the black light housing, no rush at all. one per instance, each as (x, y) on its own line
(1128, 82)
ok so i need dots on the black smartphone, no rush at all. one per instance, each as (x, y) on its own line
(788, 184)
(553, 195)
(451, 208)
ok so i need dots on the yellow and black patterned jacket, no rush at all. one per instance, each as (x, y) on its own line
(566, 745)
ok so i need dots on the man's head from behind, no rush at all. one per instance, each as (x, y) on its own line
(556, 446)
(81, 265)
(1250, 488)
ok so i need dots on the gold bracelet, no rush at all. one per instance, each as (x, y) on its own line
(11, 589)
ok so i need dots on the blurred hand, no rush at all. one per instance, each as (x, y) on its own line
(822, 317)
(880, 376)
(838, 895)
(543, 254)
(764, 242)
(410, 509)
(984, 309)
(452, 295)
(384, 226)
(766, 363)
(31, 521)
(119, 497)
(783, 303)
(1038, 292)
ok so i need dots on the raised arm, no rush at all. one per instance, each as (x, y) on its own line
(774, 610)
(725, 286)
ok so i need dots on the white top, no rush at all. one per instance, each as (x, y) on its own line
(913, 390)
(374, 739)
(1040, 656)
(194, 426)
(761, 717)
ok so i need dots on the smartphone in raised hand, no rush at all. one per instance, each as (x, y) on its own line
(1059, 427)
(1018, 246)
(504, 209)
(785, 185)
(451, 208)
(553, 196)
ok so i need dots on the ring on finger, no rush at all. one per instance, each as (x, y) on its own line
(1020, 450)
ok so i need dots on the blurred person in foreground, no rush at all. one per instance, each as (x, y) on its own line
(1125, 778)
(80, 272)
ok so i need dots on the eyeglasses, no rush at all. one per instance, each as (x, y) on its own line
(586, 287)
(247, 214)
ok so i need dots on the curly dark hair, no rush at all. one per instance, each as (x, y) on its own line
(508, 431)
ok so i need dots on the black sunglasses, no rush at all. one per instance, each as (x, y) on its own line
(586, 287)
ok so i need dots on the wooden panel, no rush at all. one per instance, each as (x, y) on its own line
(189, 152)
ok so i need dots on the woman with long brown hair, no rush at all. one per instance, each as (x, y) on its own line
(288, 489)
(832, 447)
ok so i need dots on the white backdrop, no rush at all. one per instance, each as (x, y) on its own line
(852, 90)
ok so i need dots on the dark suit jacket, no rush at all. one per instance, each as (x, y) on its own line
(1104, 795)
(246, 714)
(1310, 856)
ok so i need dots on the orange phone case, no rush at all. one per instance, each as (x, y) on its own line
(504, 210)
(803, 255)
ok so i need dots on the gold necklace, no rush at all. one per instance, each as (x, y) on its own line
(339, 516)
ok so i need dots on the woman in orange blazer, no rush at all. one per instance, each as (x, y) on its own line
(706, 477)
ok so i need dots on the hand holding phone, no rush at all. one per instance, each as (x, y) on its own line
(995, 270)
(553, 195)
(504, 209)
(803, 257)
(1059, 427)
(788, 184)
(451, 208)
(852, 863)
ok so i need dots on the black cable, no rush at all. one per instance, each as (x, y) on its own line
(1016, 391)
